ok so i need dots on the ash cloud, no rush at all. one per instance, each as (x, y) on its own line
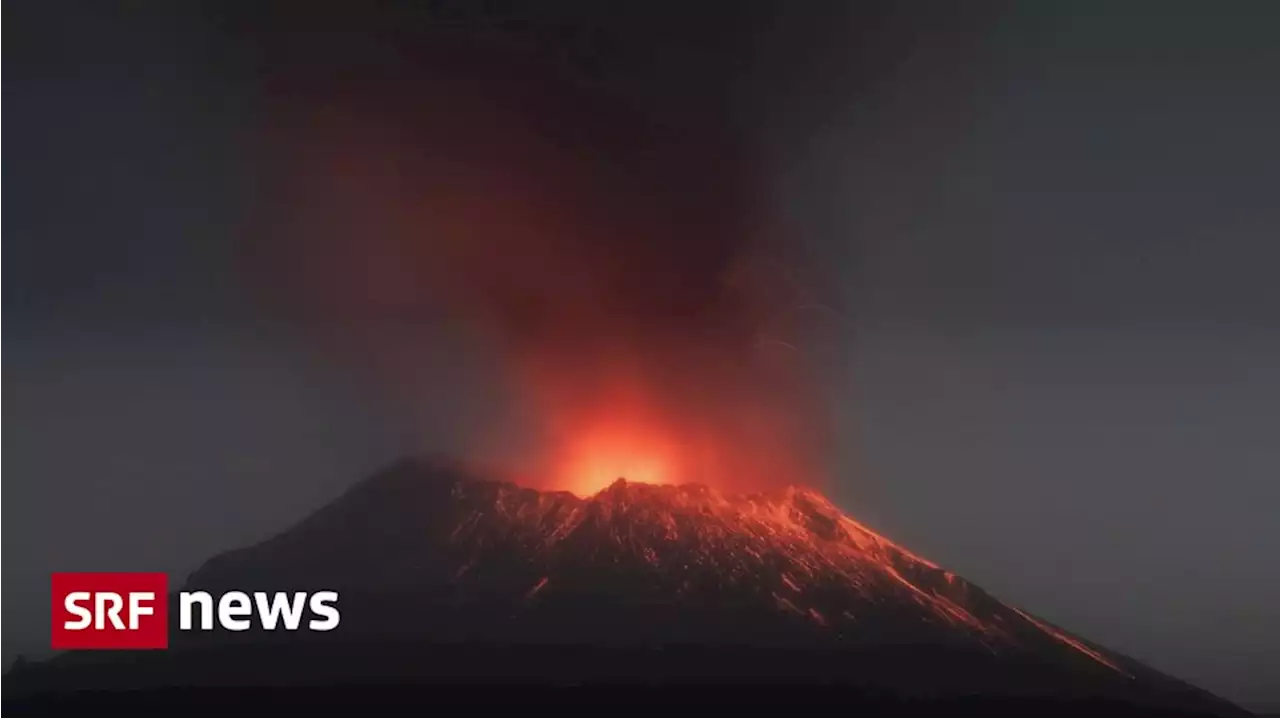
(596, 226)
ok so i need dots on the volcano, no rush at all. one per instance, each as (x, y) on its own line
(445, 577)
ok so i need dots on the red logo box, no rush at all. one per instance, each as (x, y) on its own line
(110, 611)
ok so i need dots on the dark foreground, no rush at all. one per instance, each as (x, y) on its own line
(434, 695)
(287, 676)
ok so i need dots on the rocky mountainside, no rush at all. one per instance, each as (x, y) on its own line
(788, 567)
(445, 575)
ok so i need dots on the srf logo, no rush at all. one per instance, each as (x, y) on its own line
(110, 610)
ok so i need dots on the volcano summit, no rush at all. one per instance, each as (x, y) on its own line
(446, 577)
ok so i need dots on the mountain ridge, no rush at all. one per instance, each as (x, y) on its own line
(763, 585)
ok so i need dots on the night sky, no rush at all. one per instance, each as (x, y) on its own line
(1033, 247)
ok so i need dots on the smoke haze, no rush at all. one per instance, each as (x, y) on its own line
(609, 254)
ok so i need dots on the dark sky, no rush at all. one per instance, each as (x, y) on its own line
(1045, 236)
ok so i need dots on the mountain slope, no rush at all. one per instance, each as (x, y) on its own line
(672, 582)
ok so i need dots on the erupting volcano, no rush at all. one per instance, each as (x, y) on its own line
(643, 565)
(444, 575)
(655, 563)
(607, 256)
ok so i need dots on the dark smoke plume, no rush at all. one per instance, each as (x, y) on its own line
(598, 230)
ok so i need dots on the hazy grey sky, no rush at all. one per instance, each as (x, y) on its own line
(1065, 380)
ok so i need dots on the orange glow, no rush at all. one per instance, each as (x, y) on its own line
(602, 458)
(600, 444)
(674, 424)
(589, 451)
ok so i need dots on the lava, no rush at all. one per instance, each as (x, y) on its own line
(792, 551)
(1075, 643)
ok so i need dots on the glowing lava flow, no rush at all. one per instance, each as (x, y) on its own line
(1072, 642)
(790, 551)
